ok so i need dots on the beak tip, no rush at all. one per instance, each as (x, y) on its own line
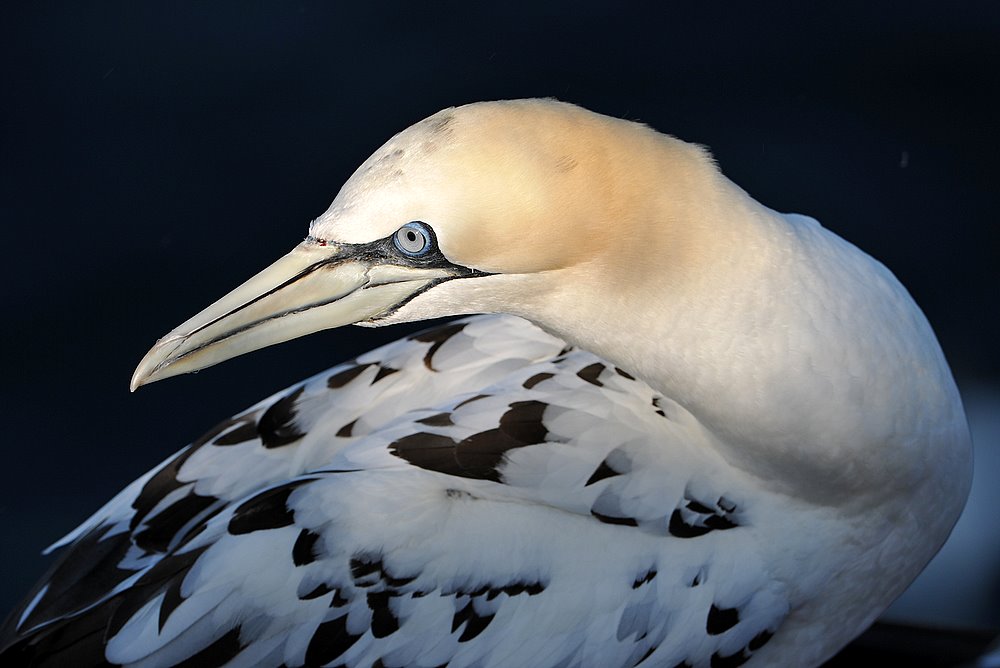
(152, 364)
(139, 378)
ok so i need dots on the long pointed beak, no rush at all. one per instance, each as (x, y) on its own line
(312, 288)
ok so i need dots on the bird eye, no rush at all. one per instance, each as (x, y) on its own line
(413, 239)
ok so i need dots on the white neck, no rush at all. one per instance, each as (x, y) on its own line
(781, 352)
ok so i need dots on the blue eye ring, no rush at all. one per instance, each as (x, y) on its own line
(413, 239)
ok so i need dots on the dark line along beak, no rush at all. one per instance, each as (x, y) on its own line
(314, 287)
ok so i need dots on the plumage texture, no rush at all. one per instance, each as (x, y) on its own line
(732, 440)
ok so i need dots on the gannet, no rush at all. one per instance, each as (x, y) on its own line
(679, 429)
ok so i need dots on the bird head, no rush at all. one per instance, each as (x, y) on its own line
(491, 207)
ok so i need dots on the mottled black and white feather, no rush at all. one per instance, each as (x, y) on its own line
(475, 495)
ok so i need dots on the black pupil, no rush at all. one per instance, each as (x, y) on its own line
(411, 235)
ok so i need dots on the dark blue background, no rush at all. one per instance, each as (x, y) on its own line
(154, 155)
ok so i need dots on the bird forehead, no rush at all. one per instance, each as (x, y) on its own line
(402, 181)
(498, 182)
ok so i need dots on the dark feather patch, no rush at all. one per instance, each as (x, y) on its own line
(79, 640)
(721, 620)
(656, 405)
(342, 378)
(383, 371)
(471, 399)
(347, 429)
(437, 338)
(480, 455)
(624, 374)
(681, 529)
(330, 640)
(246, 431)
(591, 372)
(322, 589)
(277, 425)
(84, 573)
(645, 656)
(364, 566)
(384, 621)
(760, 640)
(720, 522)
(171, 599)
(492, 590)
(474, 623)
(644, 579)
(396, 581)
(603, 471)
(697, 519)
(304, 550)
(433, 452)
(159, 531)
(731, 661)
(700, 508)
(369, 570)
(529, 588)
(267, 510)
(536, 379)
(607, 519)
(75, 642)
(169, 572)
(521, 425)
(744, 654)
(437, 420)
(165, 480)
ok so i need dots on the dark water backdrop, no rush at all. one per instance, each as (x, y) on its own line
(153, 155)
